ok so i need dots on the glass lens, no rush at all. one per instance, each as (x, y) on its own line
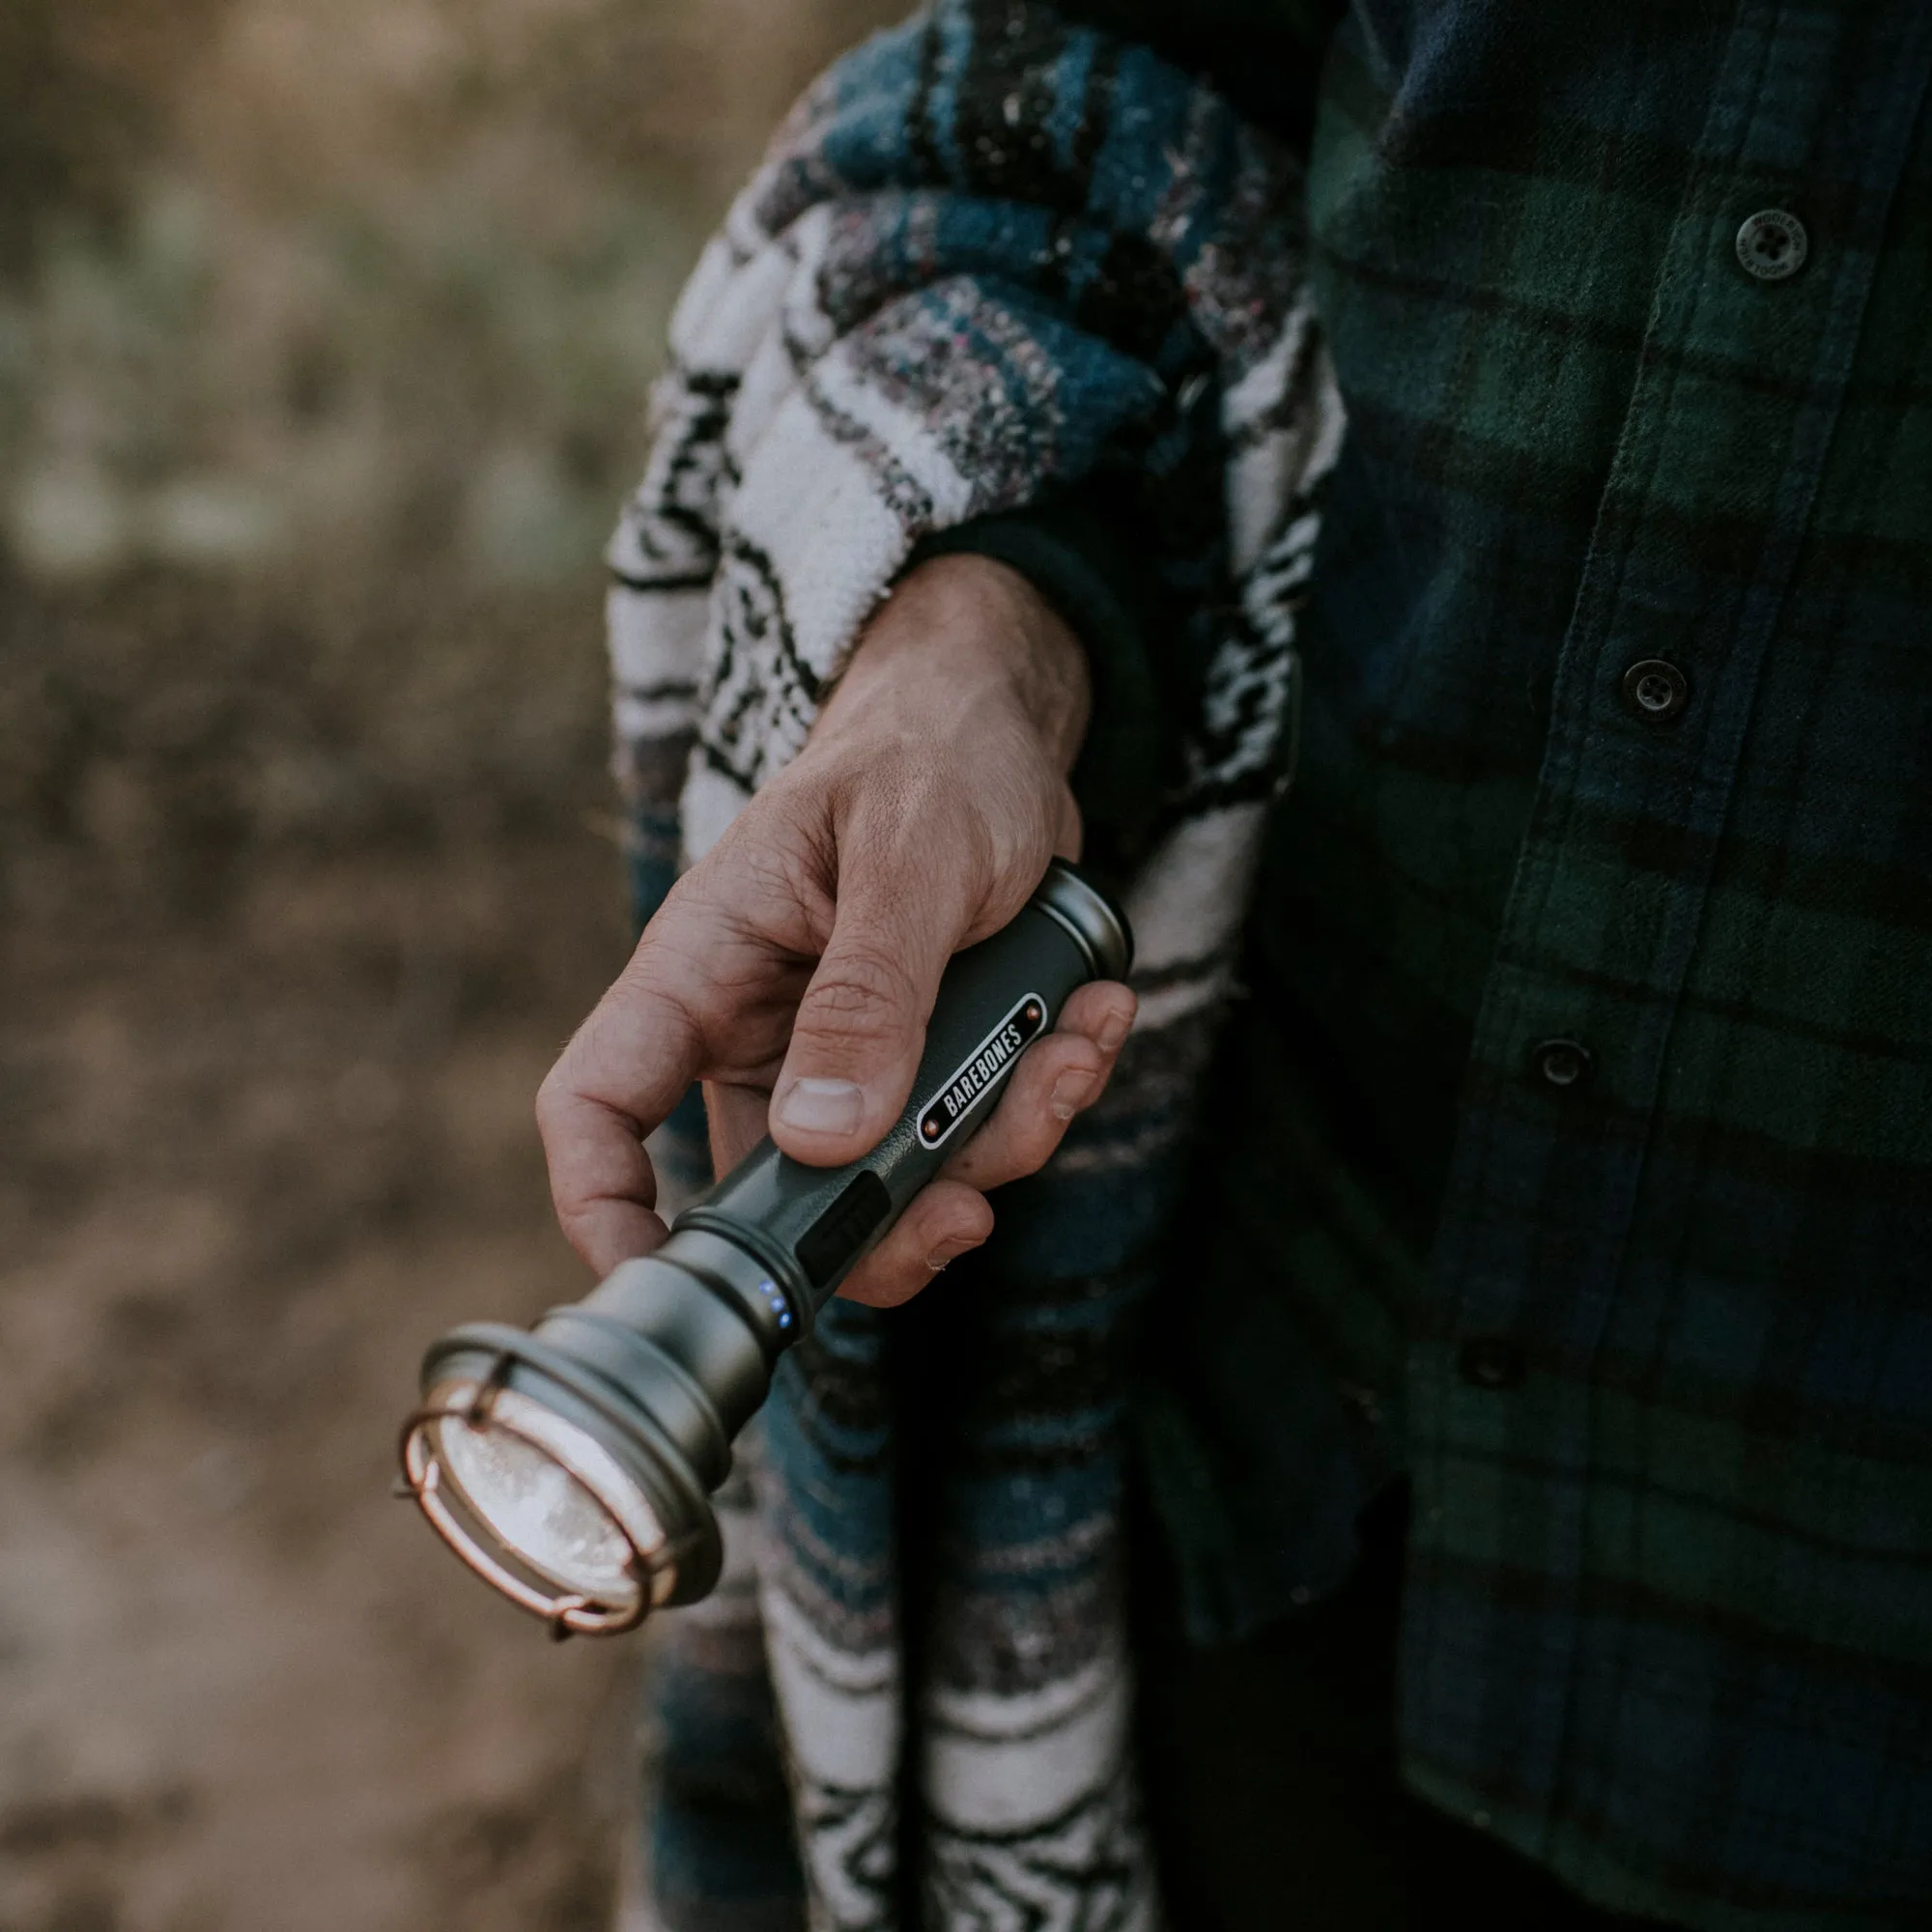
(538, 1509)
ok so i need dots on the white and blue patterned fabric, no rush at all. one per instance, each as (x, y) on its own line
(954, 287)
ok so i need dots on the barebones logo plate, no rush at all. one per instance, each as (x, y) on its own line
(980, 1070)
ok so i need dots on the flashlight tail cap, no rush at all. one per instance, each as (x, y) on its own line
(1090, 915)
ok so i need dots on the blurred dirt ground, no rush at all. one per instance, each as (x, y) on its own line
(324, 330)
(265, 1158)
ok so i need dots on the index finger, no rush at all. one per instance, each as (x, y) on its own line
(623, 1071)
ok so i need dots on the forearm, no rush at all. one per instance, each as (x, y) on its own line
(963, 636)
(1083, 554)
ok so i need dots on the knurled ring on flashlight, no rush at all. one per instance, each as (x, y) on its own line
(582, 1459)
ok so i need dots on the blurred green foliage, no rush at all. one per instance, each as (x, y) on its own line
(325, 329)
(83, 91)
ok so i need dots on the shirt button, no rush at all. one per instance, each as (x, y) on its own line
(1490, 1362)
(1655, 690)
(1561, 1063)
(1773, 244)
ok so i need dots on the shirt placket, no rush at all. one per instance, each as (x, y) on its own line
(1759, 294)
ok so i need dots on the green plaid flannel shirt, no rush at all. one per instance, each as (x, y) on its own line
(1574, 1155)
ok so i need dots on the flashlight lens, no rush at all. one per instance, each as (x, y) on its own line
(537, 1510)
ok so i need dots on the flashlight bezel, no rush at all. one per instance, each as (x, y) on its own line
(488, 1403)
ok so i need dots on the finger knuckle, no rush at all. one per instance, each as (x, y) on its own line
(553, 1104)
(1021, 1147)
(861, 995)
(575, 1215)
(1035, 1144)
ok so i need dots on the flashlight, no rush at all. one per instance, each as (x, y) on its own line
(570, 1465)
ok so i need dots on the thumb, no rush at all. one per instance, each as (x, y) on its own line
(861, 1026)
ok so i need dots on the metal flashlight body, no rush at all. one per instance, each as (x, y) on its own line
(570, 1465)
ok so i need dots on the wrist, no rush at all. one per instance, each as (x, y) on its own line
(961, 635)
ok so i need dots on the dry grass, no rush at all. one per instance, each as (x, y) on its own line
(325, 328)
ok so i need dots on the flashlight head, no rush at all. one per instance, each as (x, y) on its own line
(537, 1506)
(571, 1466)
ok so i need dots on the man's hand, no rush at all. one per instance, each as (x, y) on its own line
(793, 969)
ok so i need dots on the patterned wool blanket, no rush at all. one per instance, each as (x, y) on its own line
(988, 255)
